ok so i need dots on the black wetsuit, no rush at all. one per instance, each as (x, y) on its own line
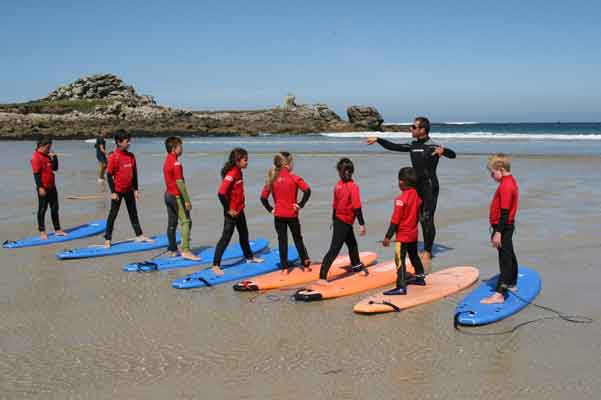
(100, 156)
(425, 165)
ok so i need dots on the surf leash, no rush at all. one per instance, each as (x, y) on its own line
(271, 298)
(573, 319)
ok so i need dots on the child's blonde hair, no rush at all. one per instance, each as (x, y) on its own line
(282, 159)
(498, 161)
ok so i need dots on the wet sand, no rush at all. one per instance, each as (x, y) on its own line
(85, 329)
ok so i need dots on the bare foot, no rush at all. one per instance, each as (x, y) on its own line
(323, 282)
(188, 255)
(43, 236)
(426, 258)
(254, 260)
(107, 244)
(514, 289)
(144, 239)
(216, 270)
(307, 265)
(60, 232)
(172, 254)
(496, 298)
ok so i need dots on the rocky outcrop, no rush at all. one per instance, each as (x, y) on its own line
(97, 102)
(101, 86)
(365, 116)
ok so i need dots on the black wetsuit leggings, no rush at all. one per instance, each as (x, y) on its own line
(51, 199)
(343, 233)
(229, 224)
(400, 255)
(508, 262)
(428, 191)
(130, 202)
(281, 227)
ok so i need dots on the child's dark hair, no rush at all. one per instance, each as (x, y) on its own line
(43, 141)
(407, 175)
(345, 169)
(121, 135)
(235, 155)
(171, 143)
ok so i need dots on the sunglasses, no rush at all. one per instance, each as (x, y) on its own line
(416, 127)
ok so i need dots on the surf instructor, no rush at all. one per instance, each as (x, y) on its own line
(425, 155)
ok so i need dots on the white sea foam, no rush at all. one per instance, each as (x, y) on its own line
(471, 136)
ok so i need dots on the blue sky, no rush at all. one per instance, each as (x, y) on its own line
(450, 60)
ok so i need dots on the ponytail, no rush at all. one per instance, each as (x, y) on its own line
(235, 155)
(345, 169)
(280, 160)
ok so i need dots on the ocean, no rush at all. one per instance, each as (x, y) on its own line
(574, 138)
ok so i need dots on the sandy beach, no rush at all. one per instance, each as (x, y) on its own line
(85, 329)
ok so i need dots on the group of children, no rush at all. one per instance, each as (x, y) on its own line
(283, 185)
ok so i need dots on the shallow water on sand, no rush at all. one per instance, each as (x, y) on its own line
(85, 329)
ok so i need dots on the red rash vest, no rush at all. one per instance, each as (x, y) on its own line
(506, 197)
(285, 191)
(232, 188)
(346, 200)
(122, 167)
(42, 164)
(172, 171)
(406, 215)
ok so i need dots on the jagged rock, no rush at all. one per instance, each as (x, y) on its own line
(115, 105)
(365, 116)
(101, 87)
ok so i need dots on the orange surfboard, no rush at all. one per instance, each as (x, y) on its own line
(438, 285)
(380, 275)
(299, 276)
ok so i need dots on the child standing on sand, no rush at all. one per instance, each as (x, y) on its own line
(43, 165)
(231, 196)
(122, 175)
(177, 199)
(346, 208)
(101, 154)
(403, 223)
(503, 210)
(283, 185)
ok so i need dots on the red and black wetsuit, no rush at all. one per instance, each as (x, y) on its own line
(503, 210)
(43, 167)
(346, 208)
(231, 196)
(424, 164)
(122, 176)
(285, 193)
(403, 223)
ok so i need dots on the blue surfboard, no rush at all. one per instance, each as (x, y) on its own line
(233, 254)
(237, 272)
(77, 232)
(471, 312)
(126, 246)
